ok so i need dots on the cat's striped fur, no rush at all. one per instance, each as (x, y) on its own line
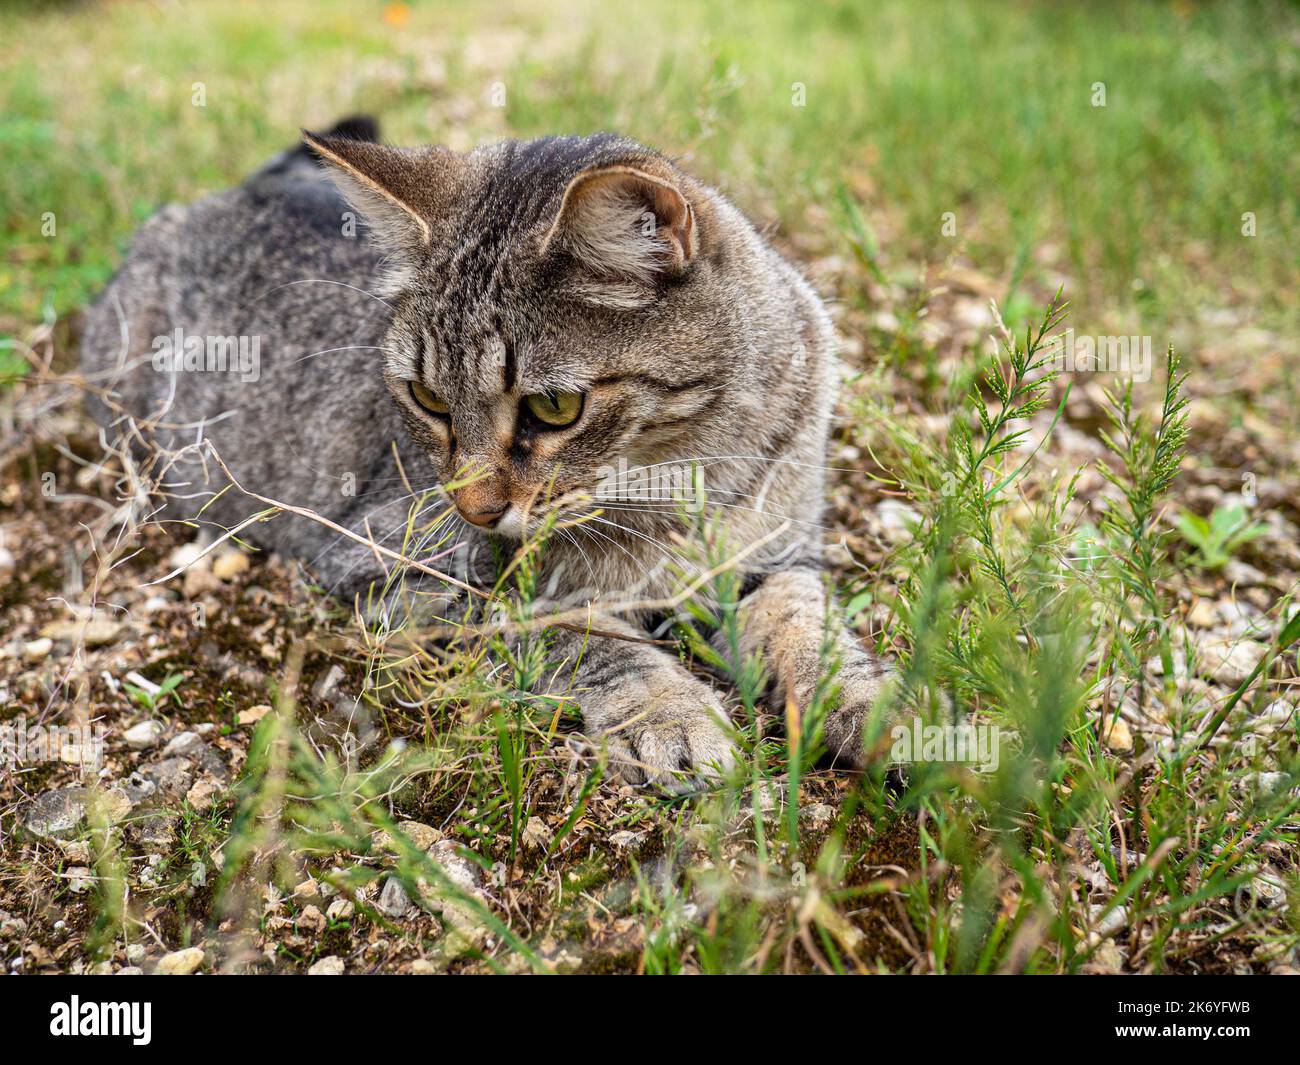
(570, 266)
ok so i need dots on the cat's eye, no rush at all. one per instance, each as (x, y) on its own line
(428, 400)
(555, 409)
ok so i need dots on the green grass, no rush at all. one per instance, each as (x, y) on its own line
(985, 111)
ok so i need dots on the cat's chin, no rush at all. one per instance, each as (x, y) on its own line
(512, 524)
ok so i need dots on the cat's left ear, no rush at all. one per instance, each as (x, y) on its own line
(626, 224)
(401, 191)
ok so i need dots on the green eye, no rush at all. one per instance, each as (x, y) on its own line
(427, 399)
(557, 410)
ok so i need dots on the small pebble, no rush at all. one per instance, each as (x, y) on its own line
(1279, 714)
(340, 910)
(818, 814)
(186, 745)
(187, 555)
(57, 814)
(393, 901)
(254, 714)
(180, 962)
(420, 835)
(80, 879)
(1117, 734)
(38, 649)
(154, 604)
(1230, 662)
(536, 835)
(230, 564)
(1267, 783)
(93, 632)
(143, 735)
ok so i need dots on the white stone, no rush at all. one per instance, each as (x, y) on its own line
(38, 649)
(1230, 662)
(142, 735)
(393, 900)
(188, 555)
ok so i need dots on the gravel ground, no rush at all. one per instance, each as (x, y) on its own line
(175, 676)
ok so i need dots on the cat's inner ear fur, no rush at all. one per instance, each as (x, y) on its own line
(399, 191)
(623, 224)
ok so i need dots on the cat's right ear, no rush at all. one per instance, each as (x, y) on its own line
(400, 191)
(626, 223)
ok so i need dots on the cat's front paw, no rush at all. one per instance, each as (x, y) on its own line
(862, 687)
(670, 730)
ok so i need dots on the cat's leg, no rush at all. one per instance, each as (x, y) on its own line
(784, 621)
(663, 725)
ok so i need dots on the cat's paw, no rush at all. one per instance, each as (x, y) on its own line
(669, 731)
(862, 686)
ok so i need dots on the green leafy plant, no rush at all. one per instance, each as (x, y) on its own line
(1216, 539)
(155, 700)
(1147, 458)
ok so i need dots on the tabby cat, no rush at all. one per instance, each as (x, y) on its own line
(527, 323)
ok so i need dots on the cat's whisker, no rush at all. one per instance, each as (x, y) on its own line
(571, 539)
(606, 537)
(659, 544)
(349, 347)
(324, 281)
(687, 460)
(671, 508)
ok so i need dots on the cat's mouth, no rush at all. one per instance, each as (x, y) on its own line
(513, 519)
(517, 522)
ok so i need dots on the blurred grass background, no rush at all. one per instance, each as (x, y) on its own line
(913, 109)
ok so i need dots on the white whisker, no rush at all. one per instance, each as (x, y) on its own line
(324, 281)
(349, 347)
(659, 544)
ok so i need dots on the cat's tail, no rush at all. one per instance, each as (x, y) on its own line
(301, 159)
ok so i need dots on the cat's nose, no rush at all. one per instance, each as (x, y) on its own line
(484, 500)
(484, 519)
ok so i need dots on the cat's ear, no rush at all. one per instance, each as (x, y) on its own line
(400, 191)
(625, 224)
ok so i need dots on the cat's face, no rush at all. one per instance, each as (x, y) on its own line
(559, 320)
